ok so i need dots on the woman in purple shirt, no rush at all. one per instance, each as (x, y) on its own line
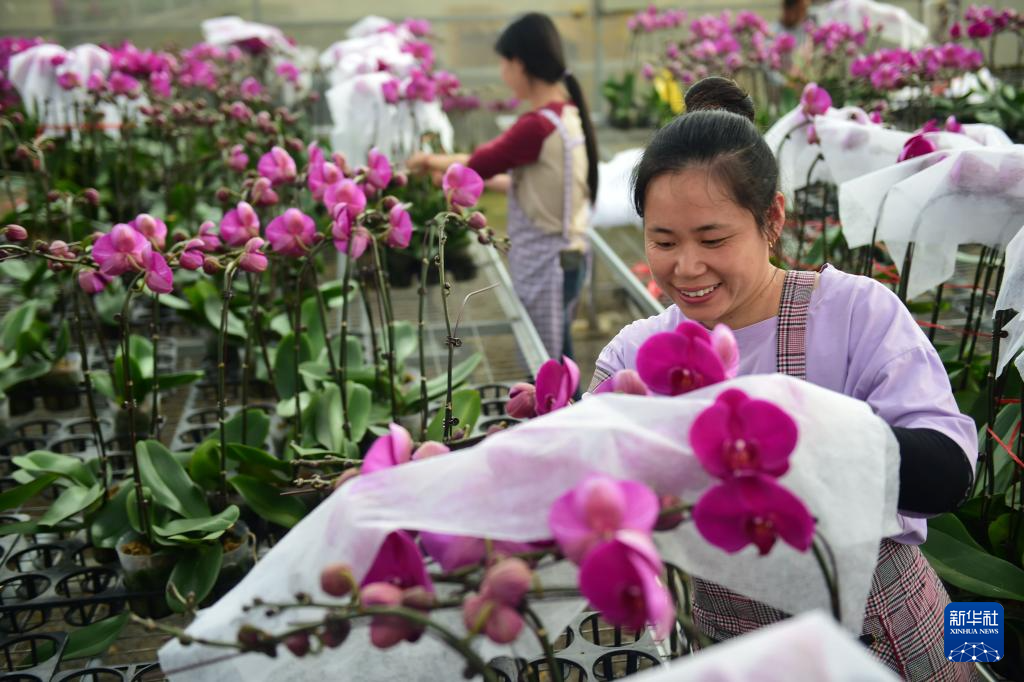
(707, 190)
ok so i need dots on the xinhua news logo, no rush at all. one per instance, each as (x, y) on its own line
(974, 632)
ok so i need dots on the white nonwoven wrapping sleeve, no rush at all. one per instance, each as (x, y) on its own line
(614, 205)
(845, 469)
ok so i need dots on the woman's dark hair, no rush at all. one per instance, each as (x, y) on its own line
(721, 137)
(534, 41)
(715, 92)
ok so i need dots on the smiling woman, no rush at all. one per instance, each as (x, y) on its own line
(707, 190)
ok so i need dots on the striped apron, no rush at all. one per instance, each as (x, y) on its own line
(534, 256)
(903, 619)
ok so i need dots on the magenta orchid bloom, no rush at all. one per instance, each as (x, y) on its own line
(348, 238)
(399, 563)
(251, 88)
(262, 194)
(240, 224)
(556, 384)
(815, 100)
(159, 277)
(494, 609)
(378, 171)
(741, 435)
(252, 259)
(208, 233)
(154, 229)
(462, 186)
(753, 509)
(192, 257)
(596, 510)
(622, 580)
(953, 125)
(455, 551)
(92, 281)
(238, 160)
(680, 361)
(399, 233)
(291, 233)
(522, 401)
(321, 176)
(391, 89)
(121, 250)
(345, 192)
(916, 146)
(623, 381)
(277, 166)
(723, 342)
(396, 448)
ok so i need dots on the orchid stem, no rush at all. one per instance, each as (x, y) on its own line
(384, 302)
(829, 571)
(229, 275)
(343, 350)
(94, 421)
(452, 342)
(421, 327)
(535, 623)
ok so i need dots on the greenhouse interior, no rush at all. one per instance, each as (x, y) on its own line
(344, 341)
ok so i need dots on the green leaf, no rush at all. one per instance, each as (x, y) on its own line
(69, 503)
(194, 575)
(15, 323)
(285, 364)
(140, 350)
(257, 428)
(63, 341)
(50, 462)
(953, 526)
(168, 480)
(360, 401)
(286, 408)
(329, 418)
(173, 302)
(971, 569)
(405, 341)
(256, 457)
(267, 501)
(111, 521)
(212, 309)
(19, 528)
(281, 325)
(439, 384)
(198, 529)
(204, 466)
(314, 329)
(103, 384)
(19, 495)
(166, 382)
(96, 638)
(465, 408)
(316, 369)
(27, 370)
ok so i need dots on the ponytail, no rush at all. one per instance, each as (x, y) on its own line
(590, 138)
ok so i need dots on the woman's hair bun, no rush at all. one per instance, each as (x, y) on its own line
(715, 92)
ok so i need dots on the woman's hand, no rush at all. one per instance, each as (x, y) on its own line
(419, 162)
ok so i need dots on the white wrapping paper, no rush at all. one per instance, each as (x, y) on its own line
(897, 24)
(229, 30)
(845, 468)
(1011, 297)
(808, 647)
(971, 195)
(614, 205)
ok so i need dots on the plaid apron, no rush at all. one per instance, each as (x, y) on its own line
(533, 256)
(903, 619)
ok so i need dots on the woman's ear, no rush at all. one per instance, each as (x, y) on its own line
(777, 216)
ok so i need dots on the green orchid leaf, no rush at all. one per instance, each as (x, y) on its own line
(168, 480)
(466, 405)
(267, 500)
(194, 575)
(41, 461)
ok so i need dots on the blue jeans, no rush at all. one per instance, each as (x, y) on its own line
(572, 283)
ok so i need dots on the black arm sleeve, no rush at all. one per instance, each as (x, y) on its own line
(935, 474)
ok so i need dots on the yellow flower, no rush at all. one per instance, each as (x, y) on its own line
(668, 91)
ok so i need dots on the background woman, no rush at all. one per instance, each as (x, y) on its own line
(707, 190)
(551, 154)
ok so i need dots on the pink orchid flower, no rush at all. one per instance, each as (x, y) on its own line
(741, 435)
(396, 448)
(92, 281)
(391, 89)
(252, 259)
(455, 551)
(291, 233)
(723, 342)
(345, 192)
(159, 277)
(262, 194)
(953, 125)
(680, 361)
(494, 609)
(918, 145)
(462, 186)
(556, 384)
(378, 171)
(753, 509)
(251, 88)
(399, 233)
(348, 238)
(192, 257)
(321, 173)
(623, 381)
(238, 160)
(240, 224)
(596, 510)
(121, 250)
(154, 229)
(522, 401)
(399, 563)
(208, 233)
(622, 580)
(288, 71)
(815, 100)
(277, 166)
